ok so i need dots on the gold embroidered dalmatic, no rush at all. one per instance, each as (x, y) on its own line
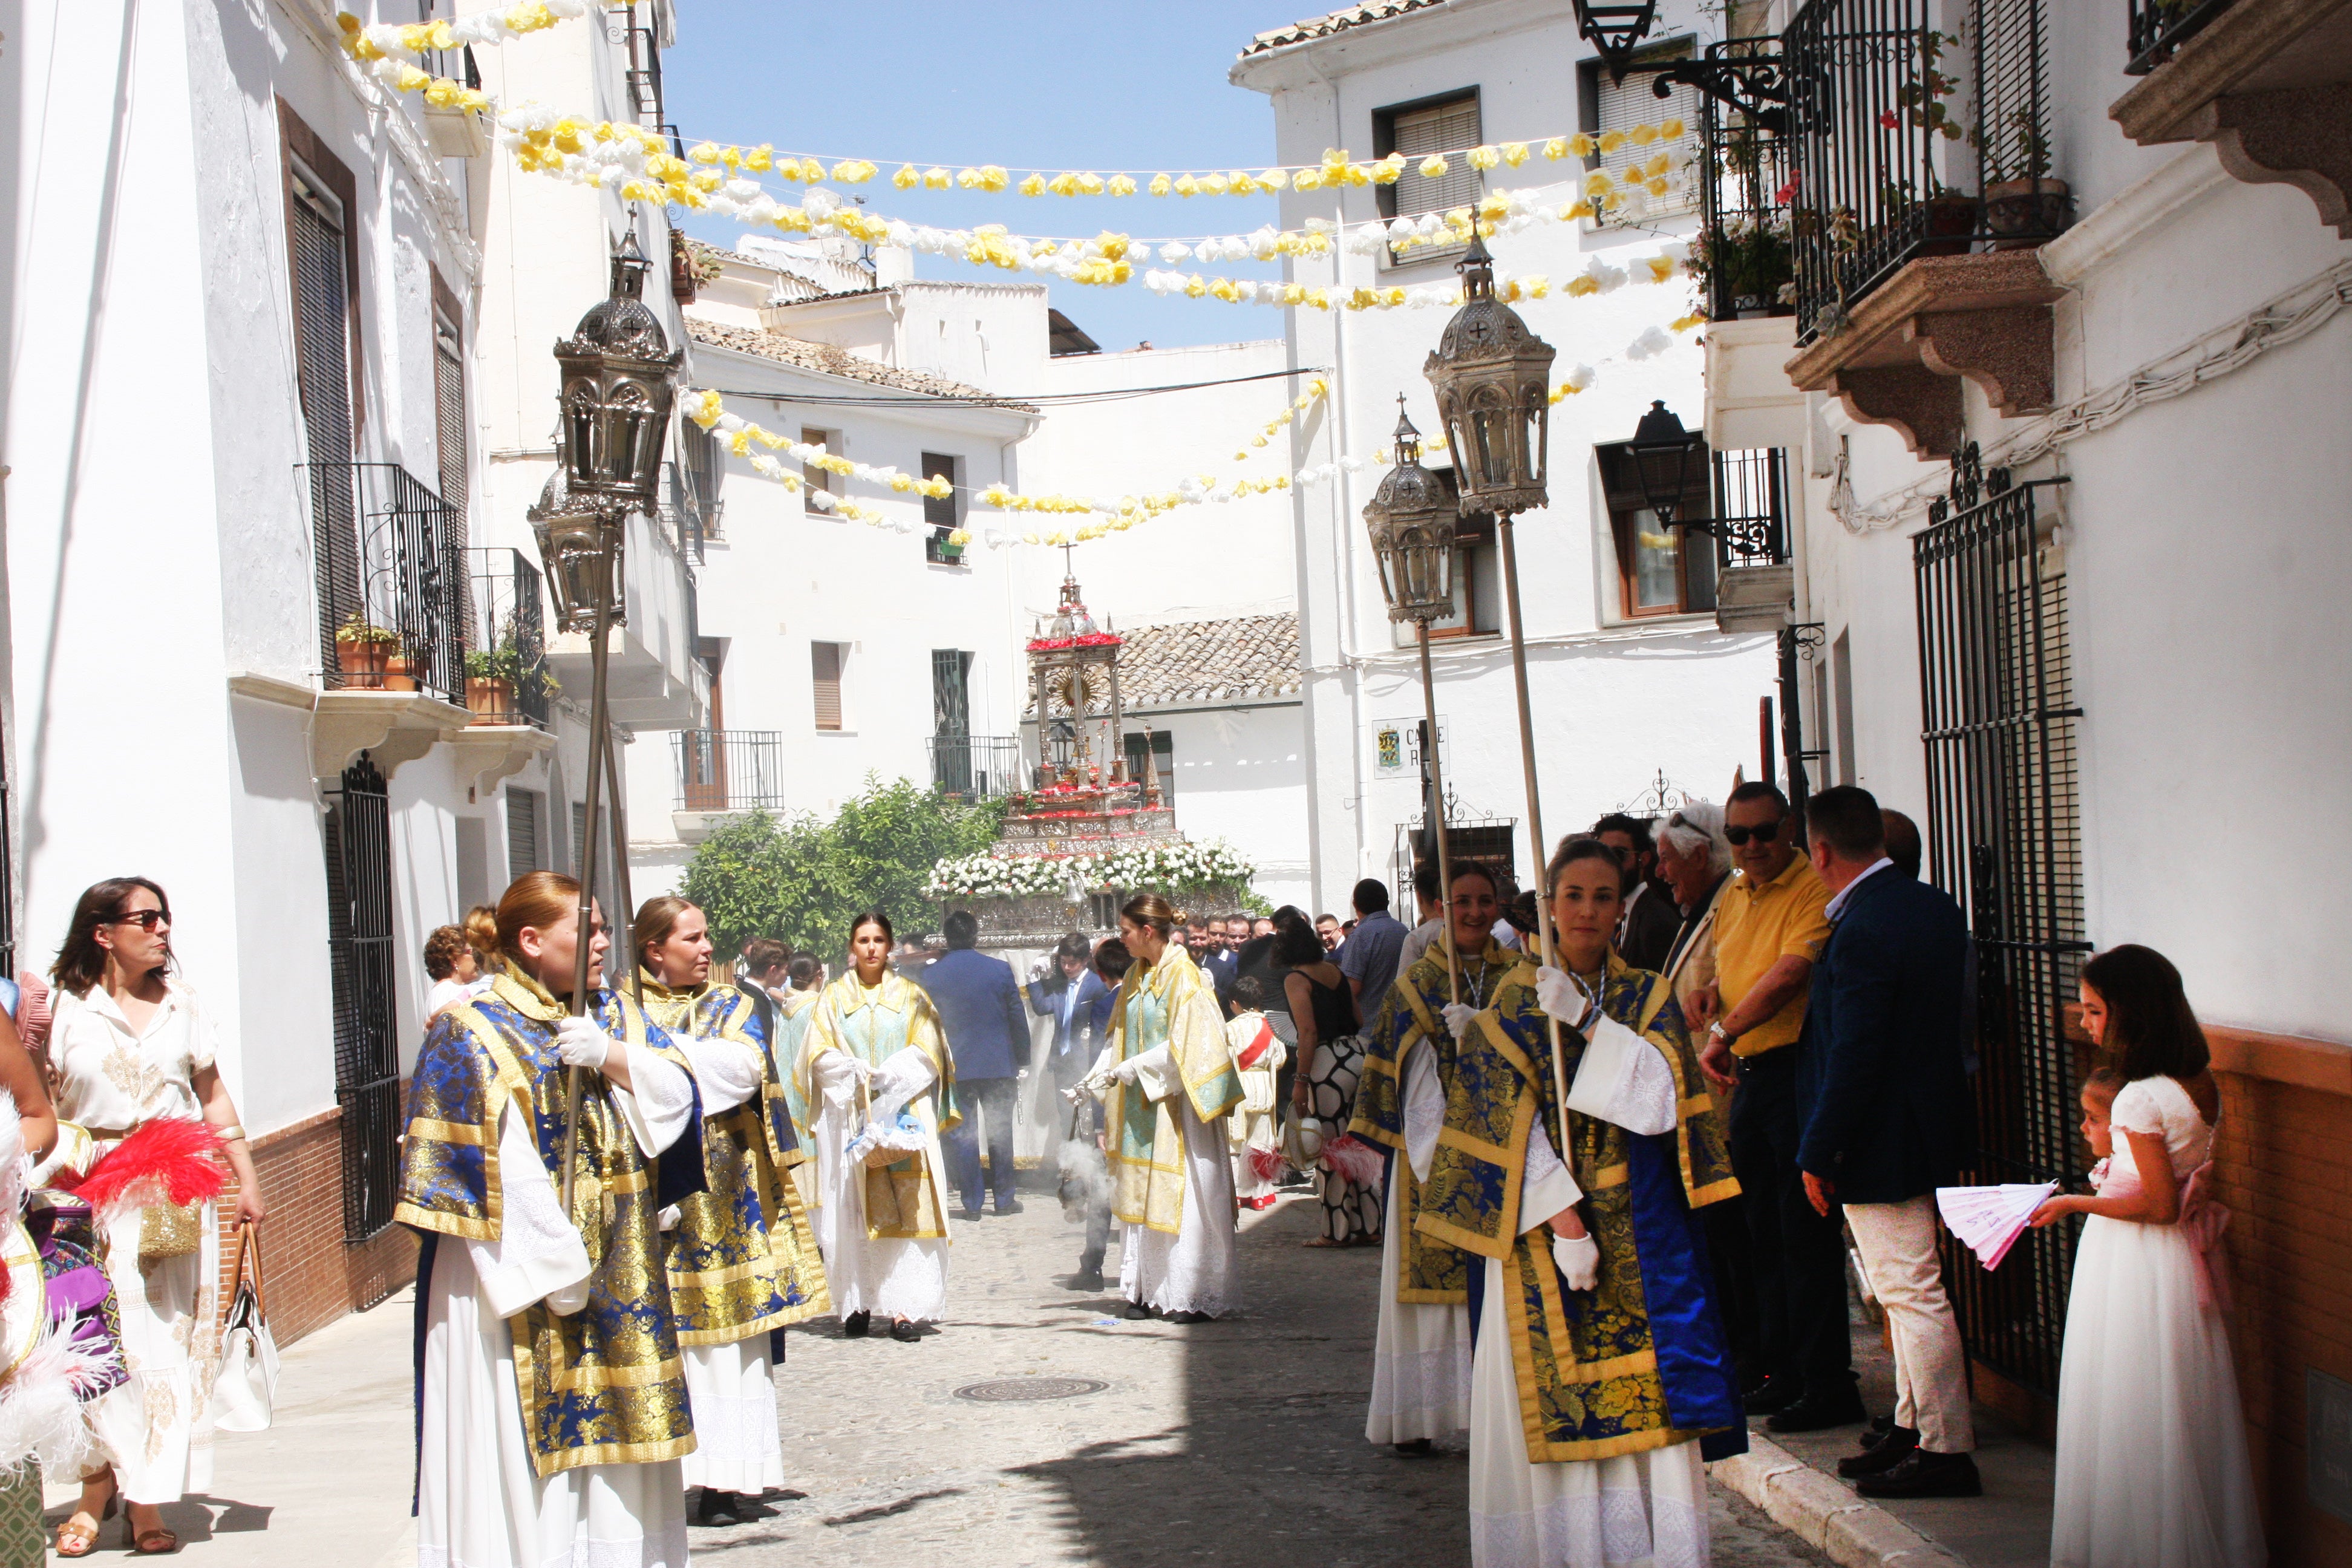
(742, 1259)
(1170, 1004)
(602, 1386)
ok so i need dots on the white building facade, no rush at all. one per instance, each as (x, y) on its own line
(1630, 680)
(256, 691)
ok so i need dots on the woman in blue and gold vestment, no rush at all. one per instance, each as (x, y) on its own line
(741, 1260)
(875, 1056)
(1601, 1376)
(1169, 1080)
(552, 1412)
(1420, 1355)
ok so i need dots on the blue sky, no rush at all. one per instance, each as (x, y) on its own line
(1017, 82)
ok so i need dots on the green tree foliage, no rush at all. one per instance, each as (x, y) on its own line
(802, 878)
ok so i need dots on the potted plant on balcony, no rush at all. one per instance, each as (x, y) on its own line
(493, 675)
(1949, 219)
(1748, 263)
(401, 669)
(2031, 209)
(363, 650)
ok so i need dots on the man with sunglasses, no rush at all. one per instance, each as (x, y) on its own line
(1769, 929)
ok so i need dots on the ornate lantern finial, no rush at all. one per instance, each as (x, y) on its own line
(616, 394)
(1412, 520)
(1491, 377)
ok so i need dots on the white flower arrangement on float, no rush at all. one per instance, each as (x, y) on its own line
(1171, 866)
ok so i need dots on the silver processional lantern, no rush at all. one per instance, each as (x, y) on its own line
(618, 367)
(579, 541)
(1412, 519)
(1493, 381)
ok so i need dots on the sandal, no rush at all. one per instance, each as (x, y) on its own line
(73, 1541)
(156, 1542)
(1321, 1241)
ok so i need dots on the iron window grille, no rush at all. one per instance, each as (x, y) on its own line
(507, 607)
(2156, 27)
(1750, 520)
(729, 770)
(976, 767)
(1743, 243)
(1886, 114)
(359, 951)
(391, 561)
(2004, 838)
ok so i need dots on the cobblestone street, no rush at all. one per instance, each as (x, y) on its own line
(1238, 1442)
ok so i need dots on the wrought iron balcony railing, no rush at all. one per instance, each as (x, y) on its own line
(1888, 114)
(2159, 27)
(731, 770)
(1742, 251)
(1751, 507)
(976, 767)
(391, 580)
(508, 681)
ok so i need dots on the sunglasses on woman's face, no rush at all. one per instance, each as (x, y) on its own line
(145, 920)
(1763, 833)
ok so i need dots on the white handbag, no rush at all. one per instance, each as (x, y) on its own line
(247, 1380)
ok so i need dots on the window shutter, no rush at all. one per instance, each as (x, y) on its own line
(522, 832)
(1450, 128)
(940, 512)
(449, 418)
(1621, 107)
(825, 670)
(323, 387)
(816, 479)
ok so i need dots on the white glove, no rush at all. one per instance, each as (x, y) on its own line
(1563, 996)
(1579, 1259)
(1124, 1071)
(861, 1068)
(1457, 1017)
(579, 1043)
(1021, 1077)
(1037, 969)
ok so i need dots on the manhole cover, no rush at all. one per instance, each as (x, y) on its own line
(1010, 1390)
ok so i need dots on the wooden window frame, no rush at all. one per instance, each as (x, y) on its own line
(1474, 532)
(1384, 197)
(840, 725)
(298, 143)
(1622, 499)
(935, 547)
(813, 478)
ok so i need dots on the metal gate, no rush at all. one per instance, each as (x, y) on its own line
(359, 941)
(2004, 838)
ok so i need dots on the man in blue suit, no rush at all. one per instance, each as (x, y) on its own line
(988, 1036)
(1078, 1001)
(1883, 1098)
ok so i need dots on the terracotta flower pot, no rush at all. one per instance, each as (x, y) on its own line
(2023, 214)
(1951, 226)
(362, 663)
(400, 673)
(491, 699)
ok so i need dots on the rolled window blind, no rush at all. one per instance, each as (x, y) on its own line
(1450, 128)
(825, 670)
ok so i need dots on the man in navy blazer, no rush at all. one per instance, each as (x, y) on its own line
(987, 1036)
(1079, 1003)
(1885, 1104)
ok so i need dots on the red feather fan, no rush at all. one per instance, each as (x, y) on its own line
(1353, 1160)
(166, 1160)
(1267, 1165)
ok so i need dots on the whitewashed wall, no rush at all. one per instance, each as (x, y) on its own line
(1615, 703)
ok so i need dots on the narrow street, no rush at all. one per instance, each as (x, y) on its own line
(1236, 1443)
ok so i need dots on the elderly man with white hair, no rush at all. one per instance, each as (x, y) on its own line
(1695, 862)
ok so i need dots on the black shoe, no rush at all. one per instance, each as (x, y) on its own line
(1086, 1279)
(1774, 1394)
(1923, 1474)
(1416, 1449)
(1186, 1318)
(905, 1333)
(971, 1213)
(1880, 1425)
(1881, 1453)
(1136, 1312)
(719, 1508)
(1008, 1205)
(1816, 1413)
(853, 1326)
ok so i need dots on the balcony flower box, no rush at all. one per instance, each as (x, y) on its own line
(491, 699)
(399, 673)
(363, 650)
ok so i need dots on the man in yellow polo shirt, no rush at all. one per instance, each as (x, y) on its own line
(1770, 927)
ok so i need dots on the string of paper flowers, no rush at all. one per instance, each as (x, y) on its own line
(393, 50)
(400, 46)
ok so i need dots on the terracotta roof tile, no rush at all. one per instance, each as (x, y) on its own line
(1238, 659)
(827, 360)
(1335, 22)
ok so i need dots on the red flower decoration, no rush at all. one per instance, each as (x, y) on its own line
(1788, 193)
(1886, 118)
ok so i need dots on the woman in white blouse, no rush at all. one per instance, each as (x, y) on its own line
(130, 1043)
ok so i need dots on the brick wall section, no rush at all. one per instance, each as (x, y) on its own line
(313, 1277)
(2286, 1171)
